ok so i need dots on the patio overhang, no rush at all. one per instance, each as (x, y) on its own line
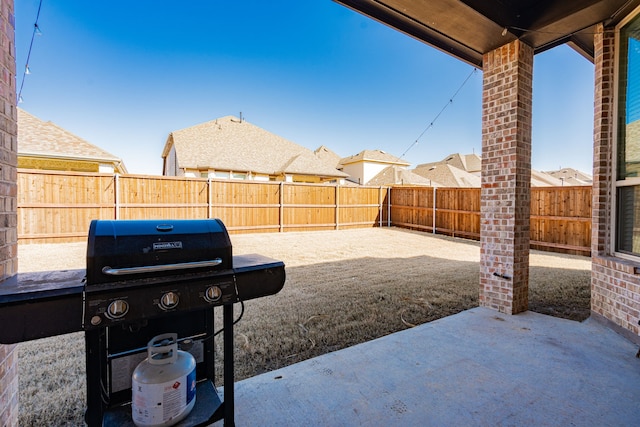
(467, 29)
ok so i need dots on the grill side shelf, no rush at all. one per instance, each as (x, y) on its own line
(41, 304)
(258, 276)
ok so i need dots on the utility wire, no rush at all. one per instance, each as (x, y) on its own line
(36, 30)
(440, 113)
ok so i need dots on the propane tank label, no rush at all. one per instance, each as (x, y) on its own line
(155, 404)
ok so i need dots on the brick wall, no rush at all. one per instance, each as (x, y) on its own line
(615, 282)
(8, 176)
(506, 178)
(8, 386)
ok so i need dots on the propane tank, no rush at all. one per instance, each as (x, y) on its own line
(163, 386)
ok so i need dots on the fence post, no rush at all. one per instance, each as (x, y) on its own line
(388, 206)
(209, 199)
(116, 195)
(433, 221)
(281, 219)
(337, 196)
(380, 207)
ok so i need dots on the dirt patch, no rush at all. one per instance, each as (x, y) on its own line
(342, 288)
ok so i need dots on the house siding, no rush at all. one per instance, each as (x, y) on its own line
(170, 164)
(363, 171)
(25, 162)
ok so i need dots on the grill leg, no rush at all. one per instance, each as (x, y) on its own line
(227, 320)
(96, 378)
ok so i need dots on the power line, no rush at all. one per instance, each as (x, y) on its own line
(440, 113)
(36, 31)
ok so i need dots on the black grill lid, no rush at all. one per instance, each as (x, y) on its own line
(119, 250)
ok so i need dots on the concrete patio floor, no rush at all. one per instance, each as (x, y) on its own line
(478, 367)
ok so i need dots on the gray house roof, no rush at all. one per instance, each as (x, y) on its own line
(229, 143)
(327, 155)
(463, 170)
(378, 156)
(447, 175)
(394, 175)
(543, 179)
(46, 139)
(467, 162)
(570, 176)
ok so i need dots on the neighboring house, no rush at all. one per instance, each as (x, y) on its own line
(632, 151)
(232, 148)
(399, 175)
(543, 179)
(569, 176)
(326, 155)
(471, 163)
(464, 170)
(45, 145)
(455, 170)
(446, 175)
(365, 165)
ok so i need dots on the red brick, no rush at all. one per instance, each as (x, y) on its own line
(603, 151)
(506, 173)
(8, 192)
(615, 287)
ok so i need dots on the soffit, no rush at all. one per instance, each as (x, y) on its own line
(468, 29)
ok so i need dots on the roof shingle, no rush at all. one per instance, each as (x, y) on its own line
(399, 175)
(374, 156)
(46, 139)
(229, 143)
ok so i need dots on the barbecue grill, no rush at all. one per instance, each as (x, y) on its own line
(144, 278)
(139, 270)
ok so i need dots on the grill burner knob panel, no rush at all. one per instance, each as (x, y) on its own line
(213, 293)
(148, 299)
(169, 301)
(117, 309)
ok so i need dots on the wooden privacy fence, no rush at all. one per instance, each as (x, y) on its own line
(560, 216)
(58, 206)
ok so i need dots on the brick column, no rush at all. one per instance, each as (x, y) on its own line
(8, 189)
(602, 200)
(505, 200)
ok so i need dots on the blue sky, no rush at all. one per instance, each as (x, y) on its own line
(124, 74)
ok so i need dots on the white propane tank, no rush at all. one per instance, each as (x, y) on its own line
(163, 385)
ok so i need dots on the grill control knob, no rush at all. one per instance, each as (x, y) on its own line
(213, 294)
(169, 300)
(117, 309)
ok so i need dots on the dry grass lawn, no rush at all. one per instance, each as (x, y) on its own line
(342, 288)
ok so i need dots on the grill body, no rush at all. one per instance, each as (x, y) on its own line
(146, 278)
(139, 270)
